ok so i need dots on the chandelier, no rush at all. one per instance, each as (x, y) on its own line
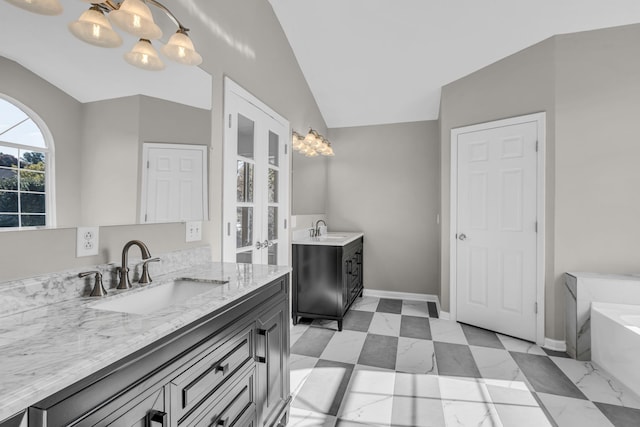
(312, 145)
(132, 16)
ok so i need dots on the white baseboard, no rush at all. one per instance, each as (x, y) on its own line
(401, 295)
(555, 345)
(445, 315)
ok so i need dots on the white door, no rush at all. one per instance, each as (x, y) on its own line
(174, 183)
(256, 181)
(496, 234)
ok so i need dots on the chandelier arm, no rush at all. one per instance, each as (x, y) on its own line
(171, 16)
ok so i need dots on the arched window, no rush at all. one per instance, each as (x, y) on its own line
(26, 181)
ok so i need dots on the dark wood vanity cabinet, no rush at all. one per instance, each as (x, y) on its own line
(230, 368)
(326, 280)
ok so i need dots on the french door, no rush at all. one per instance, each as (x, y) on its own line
(496, 228)
(256, 181)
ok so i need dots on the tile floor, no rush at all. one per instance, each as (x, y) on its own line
(397, 364)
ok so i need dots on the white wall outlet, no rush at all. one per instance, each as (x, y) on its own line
(87, 241)
(194, 231)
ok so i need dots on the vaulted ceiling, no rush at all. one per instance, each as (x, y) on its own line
(385, 61)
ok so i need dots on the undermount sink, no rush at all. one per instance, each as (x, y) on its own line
(158, 297)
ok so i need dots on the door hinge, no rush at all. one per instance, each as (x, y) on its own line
(147, 164)
(145, 218)
(285, 223)
(535, 307)
(536, 226)
(537, 146)
(228, 229)
(286, 149)
(229, 120)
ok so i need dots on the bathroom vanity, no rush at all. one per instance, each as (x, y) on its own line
(220, 358)
(327, 275)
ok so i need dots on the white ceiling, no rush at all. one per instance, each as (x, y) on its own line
(384, 61)
(44, 45)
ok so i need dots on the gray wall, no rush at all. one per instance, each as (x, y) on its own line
(384, 181)
(588, 85)
(308, 185)
(244, 41)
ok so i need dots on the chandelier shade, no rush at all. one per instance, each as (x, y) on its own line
(134, 17)
(41, 7)
(94, 28)
(180, 49)
(144, 56)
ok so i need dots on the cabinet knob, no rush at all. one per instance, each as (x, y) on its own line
(223, 422)
(223, 368)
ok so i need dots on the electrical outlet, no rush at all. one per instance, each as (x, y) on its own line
(194, 231)
(87, 241)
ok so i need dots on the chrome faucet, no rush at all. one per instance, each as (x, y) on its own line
(317, 232)
(125, 283)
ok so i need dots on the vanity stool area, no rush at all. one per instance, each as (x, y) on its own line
(327, 275)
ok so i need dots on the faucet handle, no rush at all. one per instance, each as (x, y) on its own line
(144, 277)
(98, 288)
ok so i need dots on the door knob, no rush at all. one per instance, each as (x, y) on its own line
(462, 236)
(258, 245)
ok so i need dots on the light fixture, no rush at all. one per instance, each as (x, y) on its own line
(94, 28)
(41, 7)
(132, 16)
(311, 145)
(144, 56)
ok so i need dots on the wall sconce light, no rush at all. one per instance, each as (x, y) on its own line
(132, 16)
(312, 145)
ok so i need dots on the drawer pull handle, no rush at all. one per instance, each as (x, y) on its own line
(154, 416)
(222, 422)
(223, 368)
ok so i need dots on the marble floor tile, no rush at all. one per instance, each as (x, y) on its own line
(387, 305)
(296, 332)
(521, 416)
(416, 356)
(481, 337)
(365, 303)
(463, 389)
(417, 385)
(515, 393)
(369, 398)
(304, 418)
(345, 347)
(356, 320)
(447, 331)
(300, 367)
(514, 344)
(324, 388)
(415, 308)
(312, 342)
(415, 327)
(433, 309)
(417, 412)
(379, 351)
(496, 364)
(385, 324)
(545, 376)
(570, 412)
(597, 384)
(463, 414)
(455, 360)
(620, 416)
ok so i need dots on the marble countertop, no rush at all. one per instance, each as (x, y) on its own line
(588, 275)
(330, 239)
(46, 349)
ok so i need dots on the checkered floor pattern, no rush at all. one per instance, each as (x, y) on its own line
(397, 364)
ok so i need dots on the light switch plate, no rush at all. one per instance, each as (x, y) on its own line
(87, 241)
(194, 231)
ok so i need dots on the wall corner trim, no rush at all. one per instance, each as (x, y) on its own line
(445, 315)
(555, 345)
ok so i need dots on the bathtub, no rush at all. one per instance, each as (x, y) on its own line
(615, 341)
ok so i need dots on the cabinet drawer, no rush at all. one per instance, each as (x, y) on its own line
(209, 373)
(232, 406)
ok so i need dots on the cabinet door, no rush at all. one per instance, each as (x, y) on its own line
(146, 410)
(272, 348)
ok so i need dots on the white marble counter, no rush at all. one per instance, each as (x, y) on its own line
(329, 239)
(46, 349)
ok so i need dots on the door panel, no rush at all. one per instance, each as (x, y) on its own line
(496, 229)
(256, 189)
